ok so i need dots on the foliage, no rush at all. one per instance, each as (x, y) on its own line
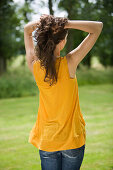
(100, 10)
(17, 83)
(12, 18)
(20, 82)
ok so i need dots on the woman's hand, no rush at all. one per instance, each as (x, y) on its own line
(31, 26)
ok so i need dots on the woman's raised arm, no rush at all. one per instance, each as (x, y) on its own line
(87, 26)
(94, 28)
(29, 45)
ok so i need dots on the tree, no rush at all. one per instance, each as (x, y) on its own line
(8, 32)
(50, 4)
(74, 8)
(25, 13)
(101, 10)
(104, 11)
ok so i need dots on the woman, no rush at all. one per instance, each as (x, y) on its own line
(59, 132)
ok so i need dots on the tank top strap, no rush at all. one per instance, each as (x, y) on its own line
(63, 68)
(66, 67)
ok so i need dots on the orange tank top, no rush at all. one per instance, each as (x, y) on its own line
(60, 124)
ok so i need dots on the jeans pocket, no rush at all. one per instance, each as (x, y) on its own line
(73, 152)
(46, 154)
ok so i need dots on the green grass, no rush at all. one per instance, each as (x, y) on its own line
(18, 115)
(97, 108)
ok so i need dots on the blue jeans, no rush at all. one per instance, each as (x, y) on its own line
(70, 159)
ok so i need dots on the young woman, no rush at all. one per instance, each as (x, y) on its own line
(59, 132)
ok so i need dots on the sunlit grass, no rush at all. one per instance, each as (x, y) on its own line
(18, 115)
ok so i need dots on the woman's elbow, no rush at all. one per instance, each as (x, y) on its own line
(100, 26)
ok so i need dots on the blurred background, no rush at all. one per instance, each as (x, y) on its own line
(19, 95)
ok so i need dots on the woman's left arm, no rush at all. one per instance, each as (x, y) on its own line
(29, 45)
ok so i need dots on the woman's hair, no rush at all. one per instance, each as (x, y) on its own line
(48, 34)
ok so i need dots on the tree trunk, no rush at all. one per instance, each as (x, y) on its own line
(3, 65)
(50, 7)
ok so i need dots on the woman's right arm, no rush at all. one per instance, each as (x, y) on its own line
(87, 26)
(94, 28)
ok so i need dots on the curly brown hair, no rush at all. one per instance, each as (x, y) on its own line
(48, 34)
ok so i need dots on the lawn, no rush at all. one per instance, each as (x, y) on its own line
(18, 115)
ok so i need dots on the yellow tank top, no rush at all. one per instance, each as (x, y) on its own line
(60, 124)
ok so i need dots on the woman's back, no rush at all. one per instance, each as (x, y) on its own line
(60, 124)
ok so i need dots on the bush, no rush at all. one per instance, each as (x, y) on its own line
(94, 76)
(17, 83)
(20, 81)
